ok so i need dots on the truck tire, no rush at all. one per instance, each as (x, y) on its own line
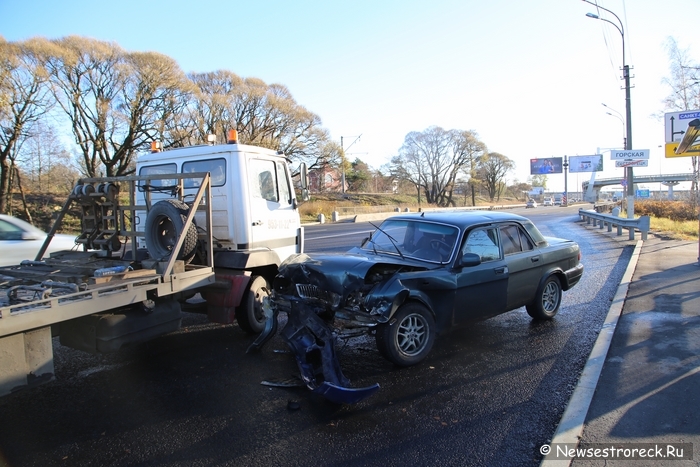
(249, 314)
(165, 220)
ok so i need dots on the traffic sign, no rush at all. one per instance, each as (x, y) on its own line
(630, 163)
(676, 124)
(630, 154)
(670, 151)
(642, 193)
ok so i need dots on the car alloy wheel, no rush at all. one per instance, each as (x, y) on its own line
(547, 301)
(408, 337)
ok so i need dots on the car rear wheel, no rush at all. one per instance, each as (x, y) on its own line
(547, 300)
(408, 337)
(249, 314)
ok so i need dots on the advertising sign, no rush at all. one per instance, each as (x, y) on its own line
(586, 163)
(550, 165)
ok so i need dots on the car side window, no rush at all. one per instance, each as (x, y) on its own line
(483, 242)
(514, 240)
(9, 231)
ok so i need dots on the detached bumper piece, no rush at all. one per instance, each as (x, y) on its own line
(313, 345)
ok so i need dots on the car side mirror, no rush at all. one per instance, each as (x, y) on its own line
(29, 236)
(469, 260)
(365, 240)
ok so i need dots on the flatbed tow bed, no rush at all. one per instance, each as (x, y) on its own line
(32, 308)
(66, 295)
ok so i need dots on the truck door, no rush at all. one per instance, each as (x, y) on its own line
(275, 222)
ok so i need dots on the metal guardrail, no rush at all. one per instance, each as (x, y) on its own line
(641, 223)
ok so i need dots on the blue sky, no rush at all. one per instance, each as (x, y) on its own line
(528, 76)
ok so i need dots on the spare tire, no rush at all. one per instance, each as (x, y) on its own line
(165, 221)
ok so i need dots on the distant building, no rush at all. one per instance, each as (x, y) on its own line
(323, 180)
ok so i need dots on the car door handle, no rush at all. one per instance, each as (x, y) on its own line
(535, 259)
(503, 270)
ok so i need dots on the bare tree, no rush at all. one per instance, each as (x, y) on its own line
(264, 115)
(46, 165)
(493, 168)
(154, 95)
(117, 102)
(685, 88)
(431, 160)
(25, 99)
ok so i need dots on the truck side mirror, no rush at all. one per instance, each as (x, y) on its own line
(304, 181)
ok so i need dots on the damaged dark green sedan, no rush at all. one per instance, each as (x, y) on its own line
(415, 277)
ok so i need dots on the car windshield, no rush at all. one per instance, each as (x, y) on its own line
(427, 241)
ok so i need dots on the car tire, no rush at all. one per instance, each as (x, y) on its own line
(164, 221)
(249, 314)
(408, 337)
(547, 301)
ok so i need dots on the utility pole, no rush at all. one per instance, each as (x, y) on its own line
(628, 104)
(342, 156)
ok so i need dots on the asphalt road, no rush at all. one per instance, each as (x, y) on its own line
(490, 394)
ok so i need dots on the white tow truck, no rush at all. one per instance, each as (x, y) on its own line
(216, 220)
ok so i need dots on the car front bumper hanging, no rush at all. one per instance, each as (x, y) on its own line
(313, 345)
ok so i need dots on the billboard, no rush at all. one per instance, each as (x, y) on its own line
(550, 165)
(586, 163)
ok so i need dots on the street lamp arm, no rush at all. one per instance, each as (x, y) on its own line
(591, 15)
(610, 108)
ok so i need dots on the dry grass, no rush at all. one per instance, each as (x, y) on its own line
(675, 219)
(356, 203)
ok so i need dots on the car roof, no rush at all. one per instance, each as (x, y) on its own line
(463, 219)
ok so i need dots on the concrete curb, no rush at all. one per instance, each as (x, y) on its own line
(571, 424)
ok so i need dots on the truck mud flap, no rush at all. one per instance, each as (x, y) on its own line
(313, 345)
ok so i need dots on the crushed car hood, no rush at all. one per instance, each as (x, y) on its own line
(341, 273)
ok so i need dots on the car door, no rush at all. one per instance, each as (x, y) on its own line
(481, 289)
(524, 263)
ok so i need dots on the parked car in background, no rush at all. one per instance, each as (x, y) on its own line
(415, 277)
(20, 240)
(548, 202)
(531, 203)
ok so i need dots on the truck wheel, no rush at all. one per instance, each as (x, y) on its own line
(250, 314)
(408, 337)
(547, 301)
(165, 220)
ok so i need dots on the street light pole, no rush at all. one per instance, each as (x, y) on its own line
(618, 116)
(628, 104)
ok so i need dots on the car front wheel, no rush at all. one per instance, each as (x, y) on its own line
(408, 337)
(547, 300)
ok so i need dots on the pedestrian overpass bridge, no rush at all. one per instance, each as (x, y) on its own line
(668, 179)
